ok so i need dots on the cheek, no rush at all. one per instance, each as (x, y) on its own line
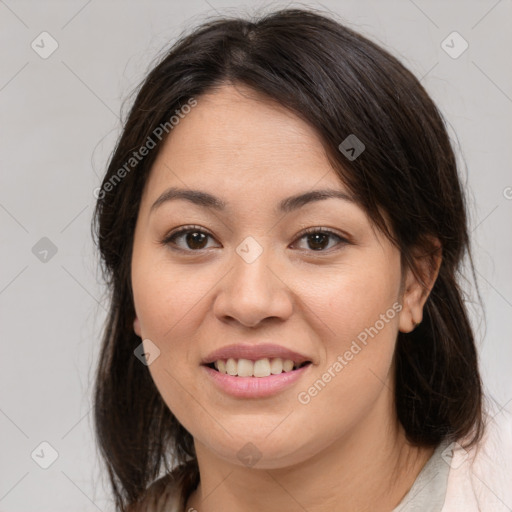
(166, 297)
(168, 303)
(348, 300)
(357, 314)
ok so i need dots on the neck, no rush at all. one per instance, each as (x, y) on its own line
(370, 468)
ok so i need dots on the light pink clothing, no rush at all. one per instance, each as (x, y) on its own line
(481, 480)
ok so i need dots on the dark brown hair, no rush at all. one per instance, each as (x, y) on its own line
(340, 83)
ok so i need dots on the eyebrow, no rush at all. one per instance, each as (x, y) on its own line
(287, 205)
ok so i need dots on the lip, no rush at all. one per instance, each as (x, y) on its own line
(254, 387)
(253, 353)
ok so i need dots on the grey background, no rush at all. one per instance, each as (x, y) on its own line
(59, 123)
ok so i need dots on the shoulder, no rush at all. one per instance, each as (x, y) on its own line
(164, 494)
(479, 478)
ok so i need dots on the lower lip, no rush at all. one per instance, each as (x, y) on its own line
(254, 387)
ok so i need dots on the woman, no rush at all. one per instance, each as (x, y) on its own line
(281, 226)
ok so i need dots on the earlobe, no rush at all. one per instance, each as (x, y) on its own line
(412, 311)
(417, 289)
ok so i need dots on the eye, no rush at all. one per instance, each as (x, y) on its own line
(194, 238)
(318, 238)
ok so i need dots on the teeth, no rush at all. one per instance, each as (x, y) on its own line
(287, 365)
(276, 366)
(245, 368)
(221, 366)
(231, 367)
(260, 368)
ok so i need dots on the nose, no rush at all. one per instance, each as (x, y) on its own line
(253, 292)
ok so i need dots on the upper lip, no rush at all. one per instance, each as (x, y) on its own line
(254, 352)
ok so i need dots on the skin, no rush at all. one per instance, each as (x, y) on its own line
(344, 450)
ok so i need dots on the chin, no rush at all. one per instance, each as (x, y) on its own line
(259, 450)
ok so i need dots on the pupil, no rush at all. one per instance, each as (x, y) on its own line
(193, 240)
(315, 237)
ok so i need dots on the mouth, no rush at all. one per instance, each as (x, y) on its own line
(248, 379)
(249, 370)
(259, 368)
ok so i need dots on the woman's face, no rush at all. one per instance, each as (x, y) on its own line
(251, 280)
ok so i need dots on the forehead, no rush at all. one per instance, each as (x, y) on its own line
(237, 137)
(232, 114)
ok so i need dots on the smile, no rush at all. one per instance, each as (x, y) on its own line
(252, 386)
(260, 368)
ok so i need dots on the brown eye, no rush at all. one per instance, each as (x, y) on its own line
(318, 239)
(193, 239)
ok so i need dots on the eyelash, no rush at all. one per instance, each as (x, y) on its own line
(169, 239)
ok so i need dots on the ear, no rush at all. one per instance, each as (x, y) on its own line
(416, 288)
(136, 327)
